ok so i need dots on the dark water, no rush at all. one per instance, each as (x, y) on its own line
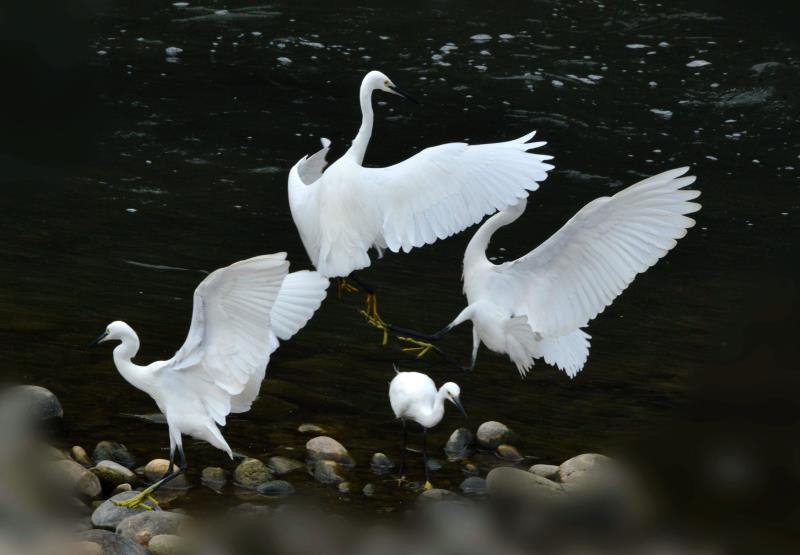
(121, 159)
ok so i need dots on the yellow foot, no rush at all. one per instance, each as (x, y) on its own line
(139, 501)
(421, 348)
(374, 319)
(344, 286)
(427, 485)
(400, 481)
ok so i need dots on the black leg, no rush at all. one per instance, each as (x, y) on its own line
(425, 454)
(172, 474)
(403, 452)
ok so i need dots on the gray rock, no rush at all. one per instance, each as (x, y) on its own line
(283, 465)
(113, 474)
(549, 471)
(251, 473)
(111, 543)
(78, 478)
(324, 448)
(213, 477)
(381, 464)
(168, 544)
(434, 464)
(327, 472)
(491, 434)
(108, 515)
(157, 468)
(86, 548)
(508, 453)
(473, 486)
(120, 488)
(39, 403)
(576, 467)
(148, 524)
(460, 444)
(80, 456)
(113, 451)
(369, 490)
(311, 429)
(276, 488)
(436, 494)
(514, 482)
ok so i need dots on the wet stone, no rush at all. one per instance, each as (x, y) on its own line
(470, 469)
(460, 444)
(157, 468)
(311, 429)
(514, 482)
(276, 488)
(549, 471)
(251, 473)
(113, 474)
(491, 434)
(436, 494)
(108, 515)
(78, 478)
(508, 453)
(381, 464)
(111, 543)
(80, 456)
(344, 487)
(283, 465)
(328, 449)
(168, 544)
(121, 488)
(327, 472)
(473, 486)
(369, 490)
(145, 525)
(574, 468)
(39, 403)
(213, 477)
(113, 451)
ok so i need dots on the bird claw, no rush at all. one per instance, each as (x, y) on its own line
(344, 286)
(375, 320)
(139, 501)
(427, 485)
(401, 480)
(420, 347)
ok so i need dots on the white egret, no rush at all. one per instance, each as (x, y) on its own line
(536, 306)
(343, 211)
(414, 396)
(240, 312)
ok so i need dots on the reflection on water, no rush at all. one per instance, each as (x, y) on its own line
(202, 110)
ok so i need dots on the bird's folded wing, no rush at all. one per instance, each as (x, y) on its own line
(445, 189)
(570, 278)
(300, 296)
(230, 336)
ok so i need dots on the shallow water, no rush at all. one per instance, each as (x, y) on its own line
(175, 163)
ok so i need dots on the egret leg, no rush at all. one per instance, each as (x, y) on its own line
(141, 500)
(344, 286)
(428, 484)
(402, 477)
(371, 310)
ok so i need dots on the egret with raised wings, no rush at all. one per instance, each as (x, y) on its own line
(343, 211)
(240, 312)
(536, 306)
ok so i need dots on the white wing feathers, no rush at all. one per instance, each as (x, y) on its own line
(444, 189)
(230, 339)
(300, 296)
(311, 167)
(585, 265)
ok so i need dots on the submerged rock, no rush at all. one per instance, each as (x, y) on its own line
(283, 465)
(328, 449)
(276, 488)
(39, 403)
(460, 444)
(168, 544)
(311, 429)
(549, 471)
(514, 482)
(113, 474)
(327, 472)
(213, 477)
(381, 464)
(157, 468)
(251, 473)
(113, 451)
(473, 486)
(111, 543)
(508, 453)
(368, 490)
(108, 515)
(491, 434)
(78, 478)
(148, 524)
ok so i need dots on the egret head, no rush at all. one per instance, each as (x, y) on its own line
(452, 393)
(116, 330)
(379, 81)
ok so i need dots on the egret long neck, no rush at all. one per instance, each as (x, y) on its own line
(123, 353)
(476, 249)
(359, 146)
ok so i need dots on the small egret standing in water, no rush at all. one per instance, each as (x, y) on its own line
(414, 396)
(535, 306)
(240, 312)
(343, 211)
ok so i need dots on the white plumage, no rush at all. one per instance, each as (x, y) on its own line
(535, 306)
(347, 209)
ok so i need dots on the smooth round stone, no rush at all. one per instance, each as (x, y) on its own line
(213, 477)
(549, 471)
(515, 482)
(145, 525)
(168, 544)
(491, 434)
(251, 473)
(470, 469)
(86, 548)
(80, 456)
(276, 488)
(39, 403)
(369, 490)
(108, 515)
(459, 445)
(113, 451)
(576, 467)
(311, 429)
(111, 543)
(283, 465)
(157, 468)
(113, 474)
(328, 449)
(508, 453)
(78, 478)
(381, 464)
(120, 488)
(344, 487)
(327, 472)
(473, 486)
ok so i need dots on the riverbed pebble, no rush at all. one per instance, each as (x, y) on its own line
(575, 468)
(514, 482)
(157, 468)
(251, 473)
(549, 471)
(168, 544)
(79, 479)
(311, 429)
(436, 494)
(39, 403)
(111, 543)
(213, 477)
(459, 445)
(328, 449)
(113, 451)
(120, 488)
(508, 453)
(80, 456)
(113, 474)
(491, 434)
(108, 515)
(473, 485)
(368, 490)
(276, 488)
(283, 465)
(327, 472)
(143, 526)
(381, 464)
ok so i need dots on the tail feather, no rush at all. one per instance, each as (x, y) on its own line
(568, 352)
(300, 296)
(520, 343)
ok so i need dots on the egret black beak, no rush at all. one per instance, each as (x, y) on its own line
(99, 339)
(457, 403)
(400, 92)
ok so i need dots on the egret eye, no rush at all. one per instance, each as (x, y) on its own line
(386, 82)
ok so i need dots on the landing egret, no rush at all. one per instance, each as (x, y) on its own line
(414, 396)
(535, 306)
(240, 312)
(344, 210)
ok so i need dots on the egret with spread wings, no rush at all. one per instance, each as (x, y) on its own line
(240, 313)
(536, 306)
(343, 211)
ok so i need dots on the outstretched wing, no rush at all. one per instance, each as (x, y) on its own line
(230, 338)
(445, 189)
(311, 167)
(570, 278)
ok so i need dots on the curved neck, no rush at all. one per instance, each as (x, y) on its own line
(436, 411)
(123, 353)
(359, 146)
(476, 249)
